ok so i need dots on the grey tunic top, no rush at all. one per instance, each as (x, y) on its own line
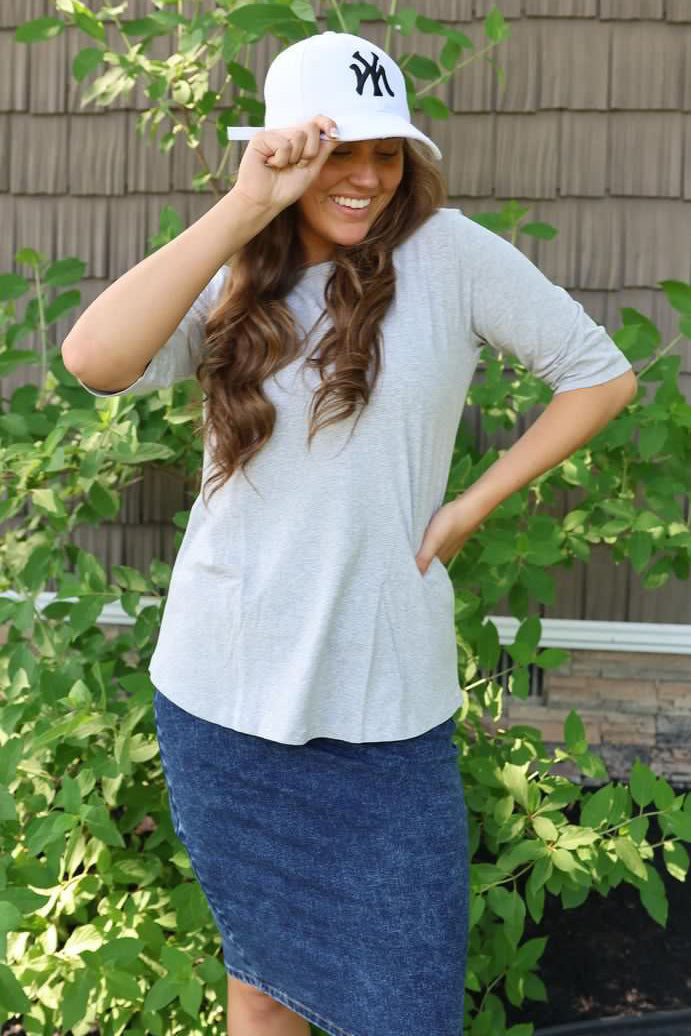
(298, 610)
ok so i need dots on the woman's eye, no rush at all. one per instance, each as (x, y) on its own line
(344, 154)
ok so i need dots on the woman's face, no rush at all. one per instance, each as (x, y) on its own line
(354, 169)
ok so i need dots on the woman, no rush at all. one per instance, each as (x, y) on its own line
(306, 670)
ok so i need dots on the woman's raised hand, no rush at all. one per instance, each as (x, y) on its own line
(279, 165)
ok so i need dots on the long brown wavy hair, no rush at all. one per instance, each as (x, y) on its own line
(251, 332)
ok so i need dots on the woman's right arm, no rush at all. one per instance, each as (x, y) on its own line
(121, 331)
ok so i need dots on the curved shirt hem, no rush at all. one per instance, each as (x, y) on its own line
(444, 712)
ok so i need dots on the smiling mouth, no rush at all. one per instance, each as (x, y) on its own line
(361, 210)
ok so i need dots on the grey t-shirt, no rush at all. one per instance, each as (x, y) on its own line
(298, 611)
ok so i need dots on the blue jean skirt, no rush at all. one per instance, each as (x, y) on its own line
(336, 873)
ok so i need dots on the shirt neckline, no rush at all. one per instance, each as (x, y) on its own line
(317, 266)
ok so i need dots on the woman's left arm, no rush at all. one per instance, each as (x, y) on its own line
(569, 420)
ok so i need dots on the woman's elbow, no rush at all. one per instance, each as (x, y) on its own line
(631, 383)
(624, 387)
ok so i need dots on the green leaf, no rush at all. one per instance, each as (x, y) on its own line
(449, 54)
(652, 439)
(529, 632)
(563, 860)
(516, 783)
(75, 997)
(106, 502)
(539, 583)
(101, 825)
(519, 853)
(146, 27)
(477, 909)
(574, 733)
(88, 22)
(540, 872)
(545, 829)
(573, 837)
(552, 658)
(35, 31)
(629, 855)
(503, 809)
(123, 951)
(571, 898)
(664, 794)
(61, 305)
(535, 987)
(530, 952)
(513, 984)
(488, 647)
(678, 295)
(422, 67)
(519, 682)
(86, 937)
(434, 107)
(676, 860)
(537, 228)
(12, 997)
(122, 984)
(640, 546)
(496, 29)
(680, 823)
(637, 828)
(138, 869)
(23, 898)
(191, 996)
(85, 62)
(43, 831)
(509, 906)
(8, 808)
(12, 286)
(10, 917)
(653, 896)
(261, 18)
(161, 993)
(535, 901)
(85, 612)
(642, 783)
(47, 500)
(241, 76)
(592, 765)
(37, 568)
(598, 808)
(482, 874)
(520, 653)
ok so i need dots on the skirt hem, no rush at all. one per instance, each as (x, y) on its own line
(277, 994)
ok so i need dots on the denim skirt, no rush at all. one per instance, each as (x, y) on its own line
(336, 873)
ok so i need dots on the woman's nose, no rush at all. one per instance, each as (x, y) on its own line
(366, 173)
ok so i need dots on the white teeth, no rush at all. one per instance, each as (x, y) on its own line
(352, 203)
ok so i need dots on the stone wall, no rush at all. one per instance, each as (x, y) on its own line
(632, 704)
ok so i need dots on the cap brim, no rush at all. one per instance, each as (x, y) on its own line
(358, 127)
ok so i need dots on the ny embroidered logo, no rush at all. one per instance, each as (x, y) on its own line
(375, 72)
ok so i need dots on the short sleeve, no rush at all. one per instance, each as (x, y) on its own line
(515, 308)
(180, 356)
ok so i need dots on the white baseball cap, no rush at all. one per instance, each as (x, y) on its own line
(345, 77)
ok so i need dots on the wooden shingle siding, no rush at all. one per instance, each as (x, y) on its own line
(592, 131)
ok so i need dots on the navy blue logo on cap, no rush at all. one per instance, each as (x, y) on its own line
(375, 72)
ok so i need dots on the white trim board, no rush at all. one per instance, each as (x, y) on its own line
(587, 634)
(669, 638)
